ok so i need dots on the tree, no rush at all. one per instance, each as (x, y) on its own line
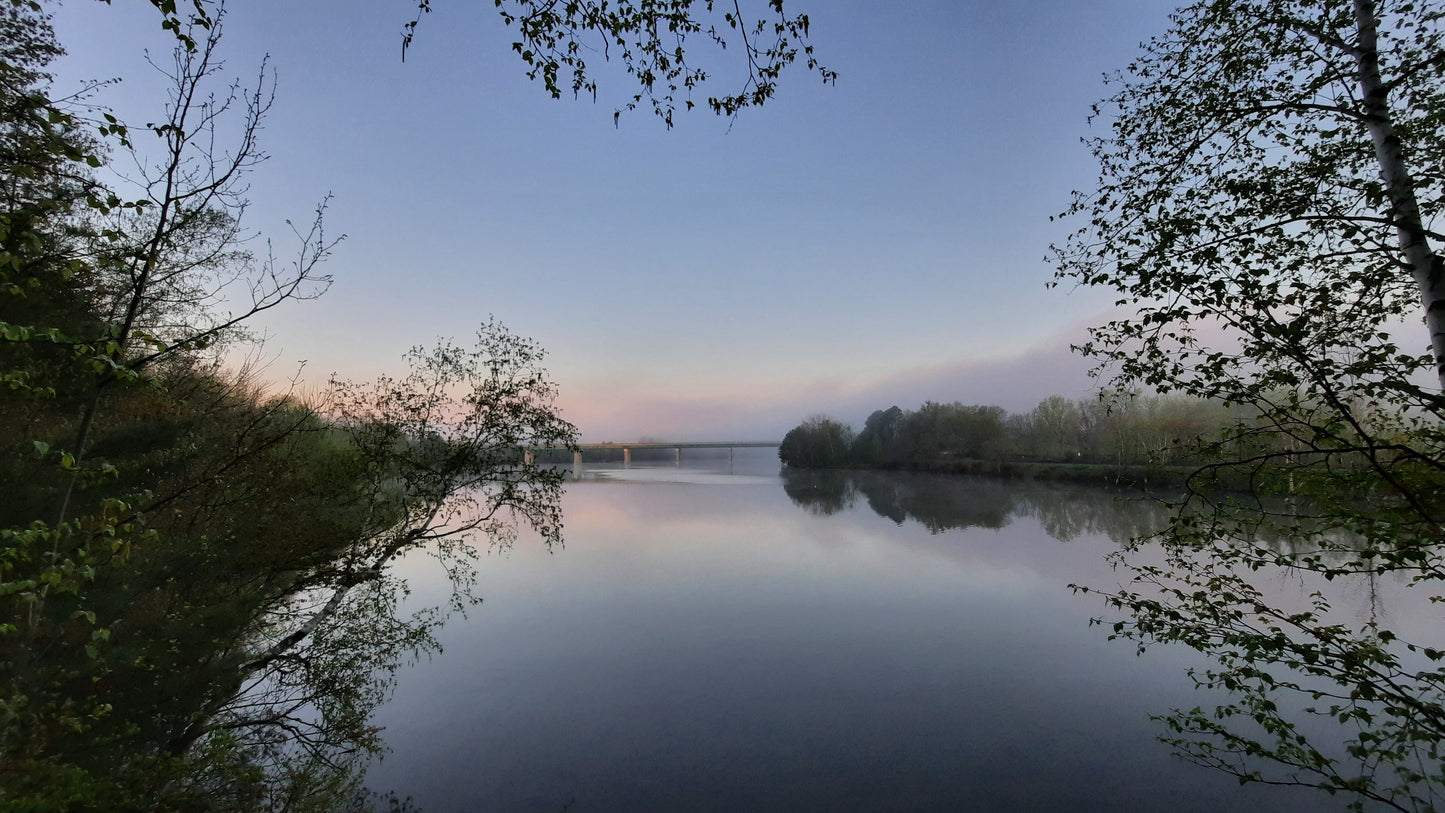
(166, 259)
(1056, 425)
(956, 431)
(137, 462)
(433, 461)
(143, 276)
(818, 442)
(240, 618)
(127, 277)
(879, 440)
(650, 40)
(197, 607)
(1244, 169)
(1269, 193)
(44, 181)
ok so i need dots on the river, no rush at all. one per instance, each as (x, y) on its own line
(714, 636)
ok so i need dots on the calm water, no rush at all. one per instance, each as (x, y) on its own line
(723, 638)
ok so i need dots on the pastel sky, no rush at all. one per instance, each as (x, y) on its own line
(842, 249)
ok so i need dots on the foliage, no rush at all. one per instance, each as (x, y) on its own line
(1055, 423)
(650, 38)
(197, 608)
(818, 442)
(1116, 429)
(1270, 185)
(881, 438)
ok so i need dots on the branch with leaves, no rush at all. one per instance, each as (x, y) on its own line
(1268, 208)
(654, 41)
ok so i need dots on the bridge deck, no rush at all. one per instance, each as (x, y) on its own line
(695, 444)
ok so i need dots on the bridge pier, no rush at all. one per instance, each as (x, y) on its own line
(678, 459)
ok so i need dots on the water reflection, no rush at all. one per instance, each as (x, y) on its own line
(1064, 510)
(956, 508)
(942, 504)
(903, 643)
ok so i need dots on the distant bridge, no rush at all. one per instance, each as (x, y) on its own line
(677, 446)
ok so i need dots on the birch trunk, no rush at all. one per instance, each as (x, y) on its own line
(1424, 265)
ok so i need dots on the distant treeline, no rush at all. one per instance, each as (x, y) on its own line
(1124, 436)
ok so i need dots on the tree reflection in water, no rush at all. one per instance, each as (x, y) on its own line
(943, 503)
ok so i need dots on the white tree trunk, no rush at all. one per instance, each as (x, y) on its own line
(1425, 266)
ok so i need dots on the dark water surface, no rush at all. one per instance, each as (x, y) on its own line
(716, 637)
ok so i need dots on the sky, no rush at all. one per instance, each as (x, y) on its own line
(843, 248)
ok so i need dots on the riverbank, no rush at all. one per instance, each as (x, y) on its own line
(1139, 476)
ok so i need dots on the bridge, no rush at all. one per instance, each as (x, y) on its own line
(677, 446)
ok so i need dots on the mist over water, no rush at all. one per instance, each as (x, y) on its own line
(716, 636)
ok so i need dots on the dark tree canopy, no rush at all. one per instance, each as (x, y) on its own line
(818, 442)
(198, 609)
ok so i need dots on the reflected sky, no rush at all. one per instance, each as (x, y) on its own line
(706, 646)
